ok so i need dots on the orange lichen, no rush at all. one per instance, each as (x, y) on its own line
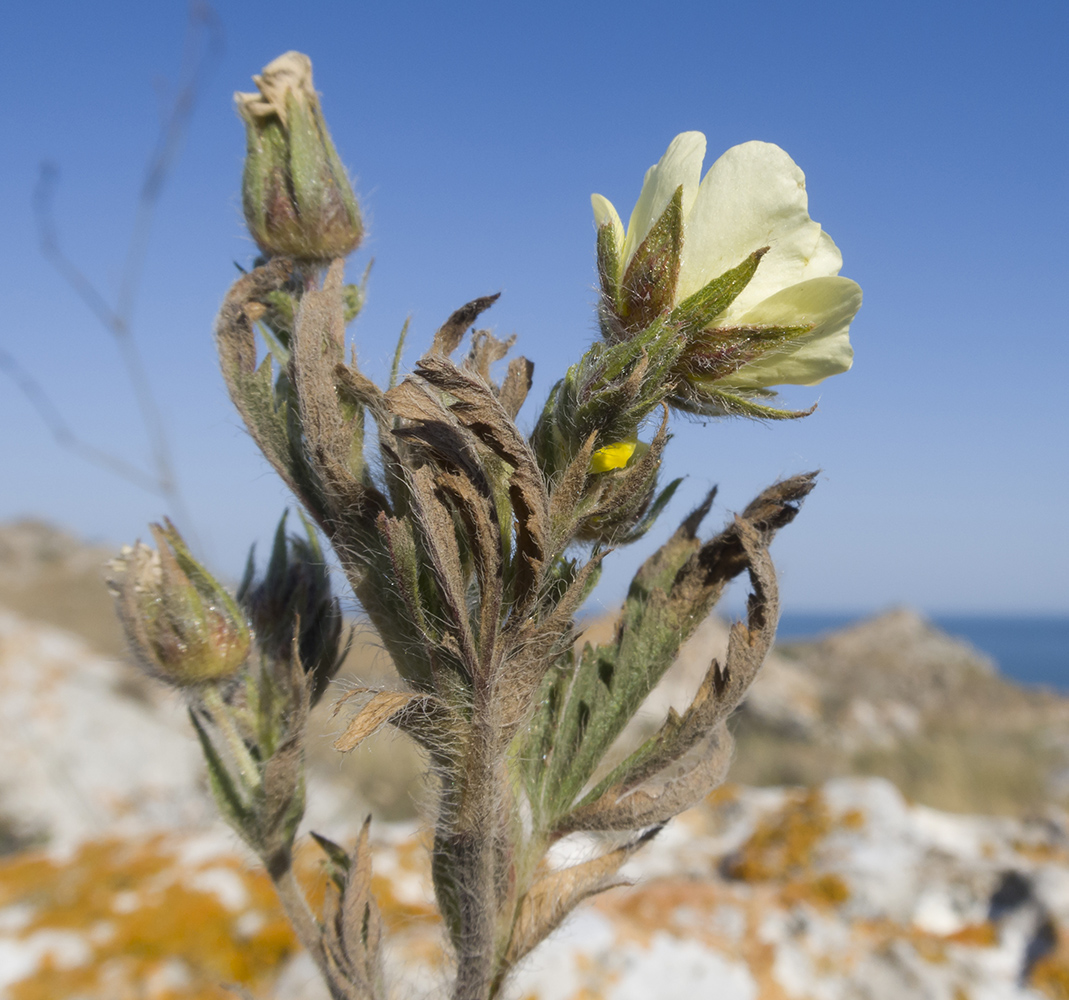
(783, 843)
(723, 795)
(1050, 975)
(782, 850)
(819, 890)
(983, 935)
(852, 819)
(643, 911)
(149, 929)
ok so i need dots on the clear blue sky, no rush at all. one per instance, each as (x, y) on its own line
(935, 143)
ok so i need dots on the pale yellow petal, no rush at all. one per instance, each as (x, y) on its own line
(754, 196)
(681, 164)
(828, 304)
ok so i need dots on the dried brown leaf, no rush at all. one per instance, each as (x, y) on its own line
(516, 385)
(485, 350)
(382, 708)
(555, 895)
(479, 411)
(440, 539)
(361, 923)
(449, 336)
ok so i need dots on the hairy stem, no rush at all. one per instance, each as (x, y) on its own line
(301, 918)
(476, 859)
(220, 713)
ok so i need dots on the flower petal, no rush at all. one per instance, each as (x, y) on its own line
(754, 196)
(613, 456)
(681, 164)
(829, 304)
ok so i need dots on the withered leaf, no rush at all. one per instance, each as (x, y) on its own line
(516, 385)
(427, 719)
(452, 331)
(479, 411)
(555, 895)
(382, 707)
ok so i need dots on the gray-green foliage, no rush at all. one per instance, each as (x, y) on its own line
(471, 548)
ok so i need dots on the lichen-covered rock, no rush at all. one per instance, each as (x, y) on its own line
(87, 748)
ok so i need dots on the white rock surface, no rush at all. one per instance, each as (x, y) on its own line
(844, 892)
(83, 751)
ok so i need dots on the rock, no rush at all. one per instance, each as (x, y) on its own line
(843, 891)
(895, 696)
(85, 747)
(50, 576)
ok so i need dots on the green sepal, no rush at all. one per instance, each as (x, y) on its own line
(648, 287)
(609, 263)
(206, 586)
(709, 402)
(697, 311)
(264, 187)
(309, 168)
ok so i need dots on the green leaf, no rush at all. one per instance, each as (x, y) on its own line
(670, 596)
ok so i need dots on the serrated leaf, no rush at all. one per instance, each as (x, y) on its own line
(720, 693)
(555, 895)
(671, 594)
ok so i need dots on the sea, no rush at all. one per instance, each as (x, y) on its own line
(1027, 649)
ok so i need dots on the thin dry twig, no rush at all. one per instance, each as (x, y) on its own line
(201, 52)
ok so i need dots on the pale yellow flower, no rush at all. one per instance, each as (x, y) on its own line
(786, 313)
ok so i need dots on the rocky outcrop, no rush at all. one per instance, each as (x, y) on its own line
(118, 881)
(843, 891)
(897, 697)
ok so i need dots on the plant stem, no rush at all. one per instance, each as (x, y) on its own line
(304, 923)
(473, 840)
(220, 713)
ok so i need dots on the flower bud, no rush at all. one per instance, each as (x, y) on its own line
(296, 194)
(295, 594)
(182, 626)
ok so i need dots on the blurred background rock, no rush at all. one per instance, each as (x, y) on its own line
(112, 853)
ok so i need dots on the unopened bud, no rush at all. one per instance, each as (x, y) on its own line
(182, 626)
(296, 194)
(294, 600)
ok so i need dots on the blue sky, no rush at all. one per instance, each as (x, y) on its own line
(933, 138)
